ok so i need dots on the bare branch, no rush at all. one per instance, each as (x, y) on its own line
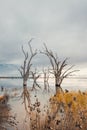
(68, 74)
(67, 70)
(63, 65)
(58, 67)
(25, 54)
(30, 47)
(25, 72)
(22, 67)
(20, 72)
(35, 77)
(32, 53)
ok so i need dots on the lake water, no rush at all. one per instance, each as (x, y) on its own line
(69, 83)
(16, 101)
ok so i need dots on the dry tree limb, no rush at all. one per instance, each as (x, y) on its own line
(35, 77)
(25, 73)
(58, 68)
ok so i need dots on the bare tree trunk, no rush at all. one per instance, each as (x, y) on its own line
(35, 77)
(26, 95)
(24, 84)
(45, 82)
(25, 73)
(46, 78)
(58, 86)
(59, 69)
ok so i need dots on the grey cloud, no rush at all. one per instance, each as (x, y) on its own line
(62, 25)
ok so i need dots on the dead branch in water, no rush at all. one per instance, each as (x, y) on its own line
(25, 73)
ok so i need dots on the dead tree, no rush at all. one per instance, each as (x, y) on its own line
(25, 73)
(46, 78)
(35, 77)
(60, 69)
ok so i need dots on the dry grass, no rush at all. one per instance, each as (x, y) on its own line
(70, 109)
(67, 111)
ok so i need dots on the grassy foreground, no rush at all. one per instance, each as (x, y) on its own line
(64, 111)
(69, 111)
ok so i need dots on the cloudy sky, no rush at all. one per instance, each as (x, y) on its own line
(61, 24)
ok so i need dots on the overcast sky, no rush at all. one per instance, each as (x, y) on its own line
(61, 24)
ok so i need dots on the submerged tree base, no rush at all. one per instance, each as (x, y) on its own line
(58, 89)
